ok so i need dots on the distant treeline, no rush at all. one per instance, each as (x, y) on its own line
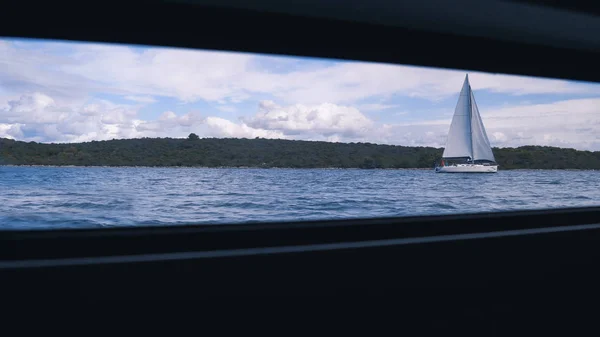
(233, 152)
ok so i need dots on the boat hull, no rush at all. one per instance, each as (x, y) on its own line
(467, 168)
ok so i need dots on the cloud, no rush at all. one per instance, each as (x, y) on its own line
(220, 127)
(37, 117)
(170, 124)
(49, 92)
(499, 137)
(324, 120)
(11, 131)
(355, 81)
(568, 123)
(184, 74)
(191, 75)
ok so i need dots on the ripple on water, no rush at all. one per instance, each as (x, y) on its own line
(44, 197)
(548, 182)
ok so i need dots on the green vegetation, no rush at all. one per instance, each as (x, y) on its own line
(231, 152)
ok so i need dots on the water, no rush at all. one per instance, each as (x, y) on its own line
(77, 197)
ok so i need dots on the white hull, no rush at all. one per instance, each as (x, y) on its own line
(467, 168)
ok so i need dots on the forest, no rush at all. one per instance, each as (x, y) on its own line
(270, 153)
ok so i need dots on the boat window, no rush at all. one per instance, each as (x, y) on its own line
(101, 135)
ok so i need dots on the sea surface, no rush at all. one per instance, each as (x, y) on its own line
(83, 197)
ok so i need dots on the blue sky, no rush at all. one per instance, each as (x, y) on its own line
(54, 91)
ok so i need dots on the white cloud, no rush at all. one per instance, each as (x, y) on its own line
(354, 81)
(40, 115)
(184, 74)
(322, 122)
(220, 127)
(499, 137)
(170, 124)
(569, 123)
(325, 119)
(11, 131)
(32, 108)
(36, 116)
(191, 75)
(46, 95)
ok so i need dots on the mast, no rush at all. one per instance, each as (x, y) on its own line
(470, 114)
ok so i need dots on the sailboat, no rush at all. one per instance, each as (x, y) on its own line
(467, 148)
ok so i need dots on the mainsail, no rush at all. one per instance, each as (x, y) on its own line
(467, 136)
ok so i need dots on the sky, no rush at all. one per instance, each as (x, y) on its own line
(62, 92)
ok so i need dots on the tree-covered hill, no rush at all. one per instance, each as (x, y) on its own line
(233, 152)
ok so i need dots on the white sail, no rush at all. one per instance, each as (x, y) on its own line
(467, 136)
(481, 144)
(459, 142)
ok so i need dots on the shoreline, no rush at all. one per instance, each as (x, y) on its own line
(235, 153)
